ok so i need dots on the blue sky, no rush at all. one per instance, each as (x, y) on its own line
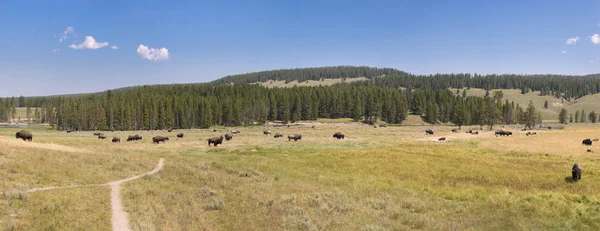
(206, 40)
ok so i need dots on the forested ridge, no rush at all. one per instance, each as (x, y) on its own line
(388, 96)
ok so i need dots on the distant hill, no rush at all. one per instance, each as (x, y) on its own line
(305, 74)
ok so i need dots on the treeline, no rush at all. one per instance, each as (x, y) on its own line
(206, 105)
(555, 85)
(304, 74)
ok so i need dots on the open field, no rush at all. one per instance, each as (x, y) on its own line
(588, 102)
(309, 83)
(393, 178)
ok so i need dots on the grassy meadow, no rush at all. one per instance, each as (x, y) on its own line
(394, 178)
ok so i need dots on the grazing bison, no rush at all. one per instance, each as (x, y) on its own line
(180, 135)
(530, 133)
(228, 137)
(235, 131)
(116, 139)
(576, 171)
(295, 137)
(277, 135)
(267, 132)
(590, 150)
(170, 130)
(134, 137)
(455, 130)
(474, 133)
(503, 133)
(69, 131)
(339, 135)
(102, 137)
(215, 141)
(587, 142)
(24, 135)
(428, 132)
(214, 130)
(470, 131)
(158, 139)
(442, 139)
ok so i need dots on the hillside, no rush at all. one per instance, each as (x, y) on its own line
(588, 103)
(304, 74)
(309, 83)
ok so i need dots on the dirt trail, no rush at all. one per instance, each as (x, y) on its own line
(119, 216)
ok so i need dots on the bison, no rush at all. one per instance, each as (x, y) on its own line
(180, 135)
(102, 137)
(442, 139)
(116, 139)
(295, 137)
(69, 131)
(170, 130)
(24, 135)
(267, 132)
(215, 141)
(277, 135)
(576, 172)
(503, 133)
(134, 137)
(228, 137)
(455, 130)
(338, 135)
(158, 139)
(474, 133)
(587, 142)
(470, 131)
(428, 132)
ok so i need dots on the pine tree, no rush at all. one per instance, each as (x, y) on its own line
(28, 113)
(459, 114)
(530, 117)
(583, 116)
(593, 117)
(571, 118)
(562, 116)
(577, 116)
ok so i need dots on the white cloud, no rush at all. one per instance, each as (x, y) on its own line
(153, 53)
(595, 39)
(573, 41)
(89, 43)
(67, 31)
(563, 52)
(114, 47)
(55, 50)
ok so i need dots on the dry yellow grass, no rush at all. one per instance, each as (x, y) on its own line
(392, 178)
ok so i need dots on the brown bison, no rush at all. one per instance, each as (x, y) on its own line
(116, 139)
(455, 130)
(180, 135)
(295, 137)
(586, 142)
(228, 137)
(158, 139)
(428, 132)
(215, 141)
(24, 135)
(277, 135)
(442, 139)
(267, 132)
(470, 131)
(576, 172)
(503, 133)
(474, 133)
(338, 135)
(102, 137)
(134, 137)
